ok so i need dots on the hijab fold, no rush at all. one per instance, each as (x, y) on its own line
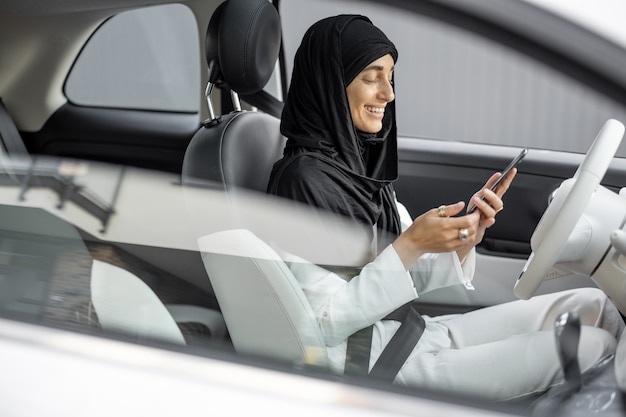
(327, 162)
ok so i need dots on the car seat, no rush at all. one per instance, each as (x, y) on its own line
(237, 150)
(126, 304)
(265, 309)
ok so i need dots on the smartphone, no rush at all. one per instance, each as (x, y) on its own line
(515, 162)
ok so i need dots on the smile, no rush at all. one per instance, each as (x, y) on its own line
(380, 110)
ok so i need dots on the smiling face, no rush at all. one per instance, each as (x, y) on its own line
(369, 93)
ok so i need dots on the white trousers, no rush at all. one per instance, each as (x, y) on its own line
(509, 350)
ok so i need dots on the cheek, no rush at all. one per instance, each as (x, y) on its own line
(356, 102)
(354, 106)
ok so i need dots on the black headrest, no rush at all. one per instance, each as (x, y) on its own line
(242, 44)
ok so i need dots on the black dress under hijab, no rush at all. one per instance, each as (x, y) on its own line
(327, 163)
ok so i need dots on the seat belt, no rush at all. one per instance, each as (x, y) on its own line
(401, 344)
(9, 135)
(358, 352)
(395, 354)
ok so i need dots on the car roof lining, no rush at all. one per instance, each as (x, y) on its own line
(46, 7)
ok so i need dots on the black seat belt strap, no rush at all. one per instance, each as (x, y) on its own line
(9, 134)
(395, 353)
(358, 352)
(401, 344)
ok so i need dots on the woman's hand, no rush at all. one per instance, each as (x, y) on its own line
(437, 231)
(488, 203)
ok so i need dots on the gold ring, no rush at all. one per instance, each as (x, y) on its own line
(500, 209)
(441, 211)
(463, 234)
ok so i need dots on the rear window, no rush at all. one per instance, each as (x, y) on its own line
(141, 59)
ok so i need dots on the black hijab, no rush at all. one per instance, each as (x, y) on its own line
(327, 162)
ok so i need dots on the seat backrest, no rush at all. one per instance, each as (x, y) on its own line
(237, 153)
(238, 150)
(124, 303)
(265, 309)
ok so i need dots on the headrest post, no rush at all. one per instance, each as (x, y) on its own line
(235, 98)
(207, 93)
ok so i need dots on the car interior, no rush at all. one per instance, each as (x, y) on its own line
(248, 301)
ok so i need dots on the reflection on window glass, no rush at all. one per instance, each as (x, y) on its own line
(457, 86)
(146, 59)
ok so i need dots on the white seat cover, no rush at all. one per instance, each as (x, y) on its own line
(124, 303)
(265, 309)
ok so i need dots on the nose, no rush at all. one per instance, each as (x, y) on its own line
(386, 91)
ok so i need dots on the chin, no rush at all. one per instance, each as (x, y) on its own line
(373, 129)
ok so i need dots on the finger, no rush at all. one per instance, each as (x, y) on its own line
(492, 180)
(493, 202)
(471, 205)
(469, 221)
(467, 235)
(449, 210)
(487, 223)
(482, 207)
(504, 185)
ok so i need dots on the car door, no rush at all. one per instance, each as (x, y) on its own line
(475, 85)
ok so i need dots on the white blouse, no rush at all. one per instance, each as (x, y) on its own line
(343, 307)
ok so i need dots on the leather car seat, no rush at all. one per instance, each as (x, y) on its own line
(265, 310)
(238, 150)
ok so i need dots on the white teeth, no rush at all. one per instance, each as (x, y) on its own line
(375, 109)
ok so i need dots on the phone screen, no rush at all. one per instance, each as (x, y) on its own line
(515, 162)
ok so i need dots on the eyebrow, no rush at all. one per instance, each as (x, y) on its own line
(377, 68)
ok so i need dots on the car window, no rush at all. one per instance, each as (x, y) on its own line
(59, 271)
(454, 85)
(274, 84)
(142, 59)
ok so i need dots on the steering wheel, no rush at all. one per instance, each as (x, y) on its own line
(567, 207)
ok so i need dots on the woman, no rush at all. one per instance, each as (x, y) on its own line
(341, 155)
